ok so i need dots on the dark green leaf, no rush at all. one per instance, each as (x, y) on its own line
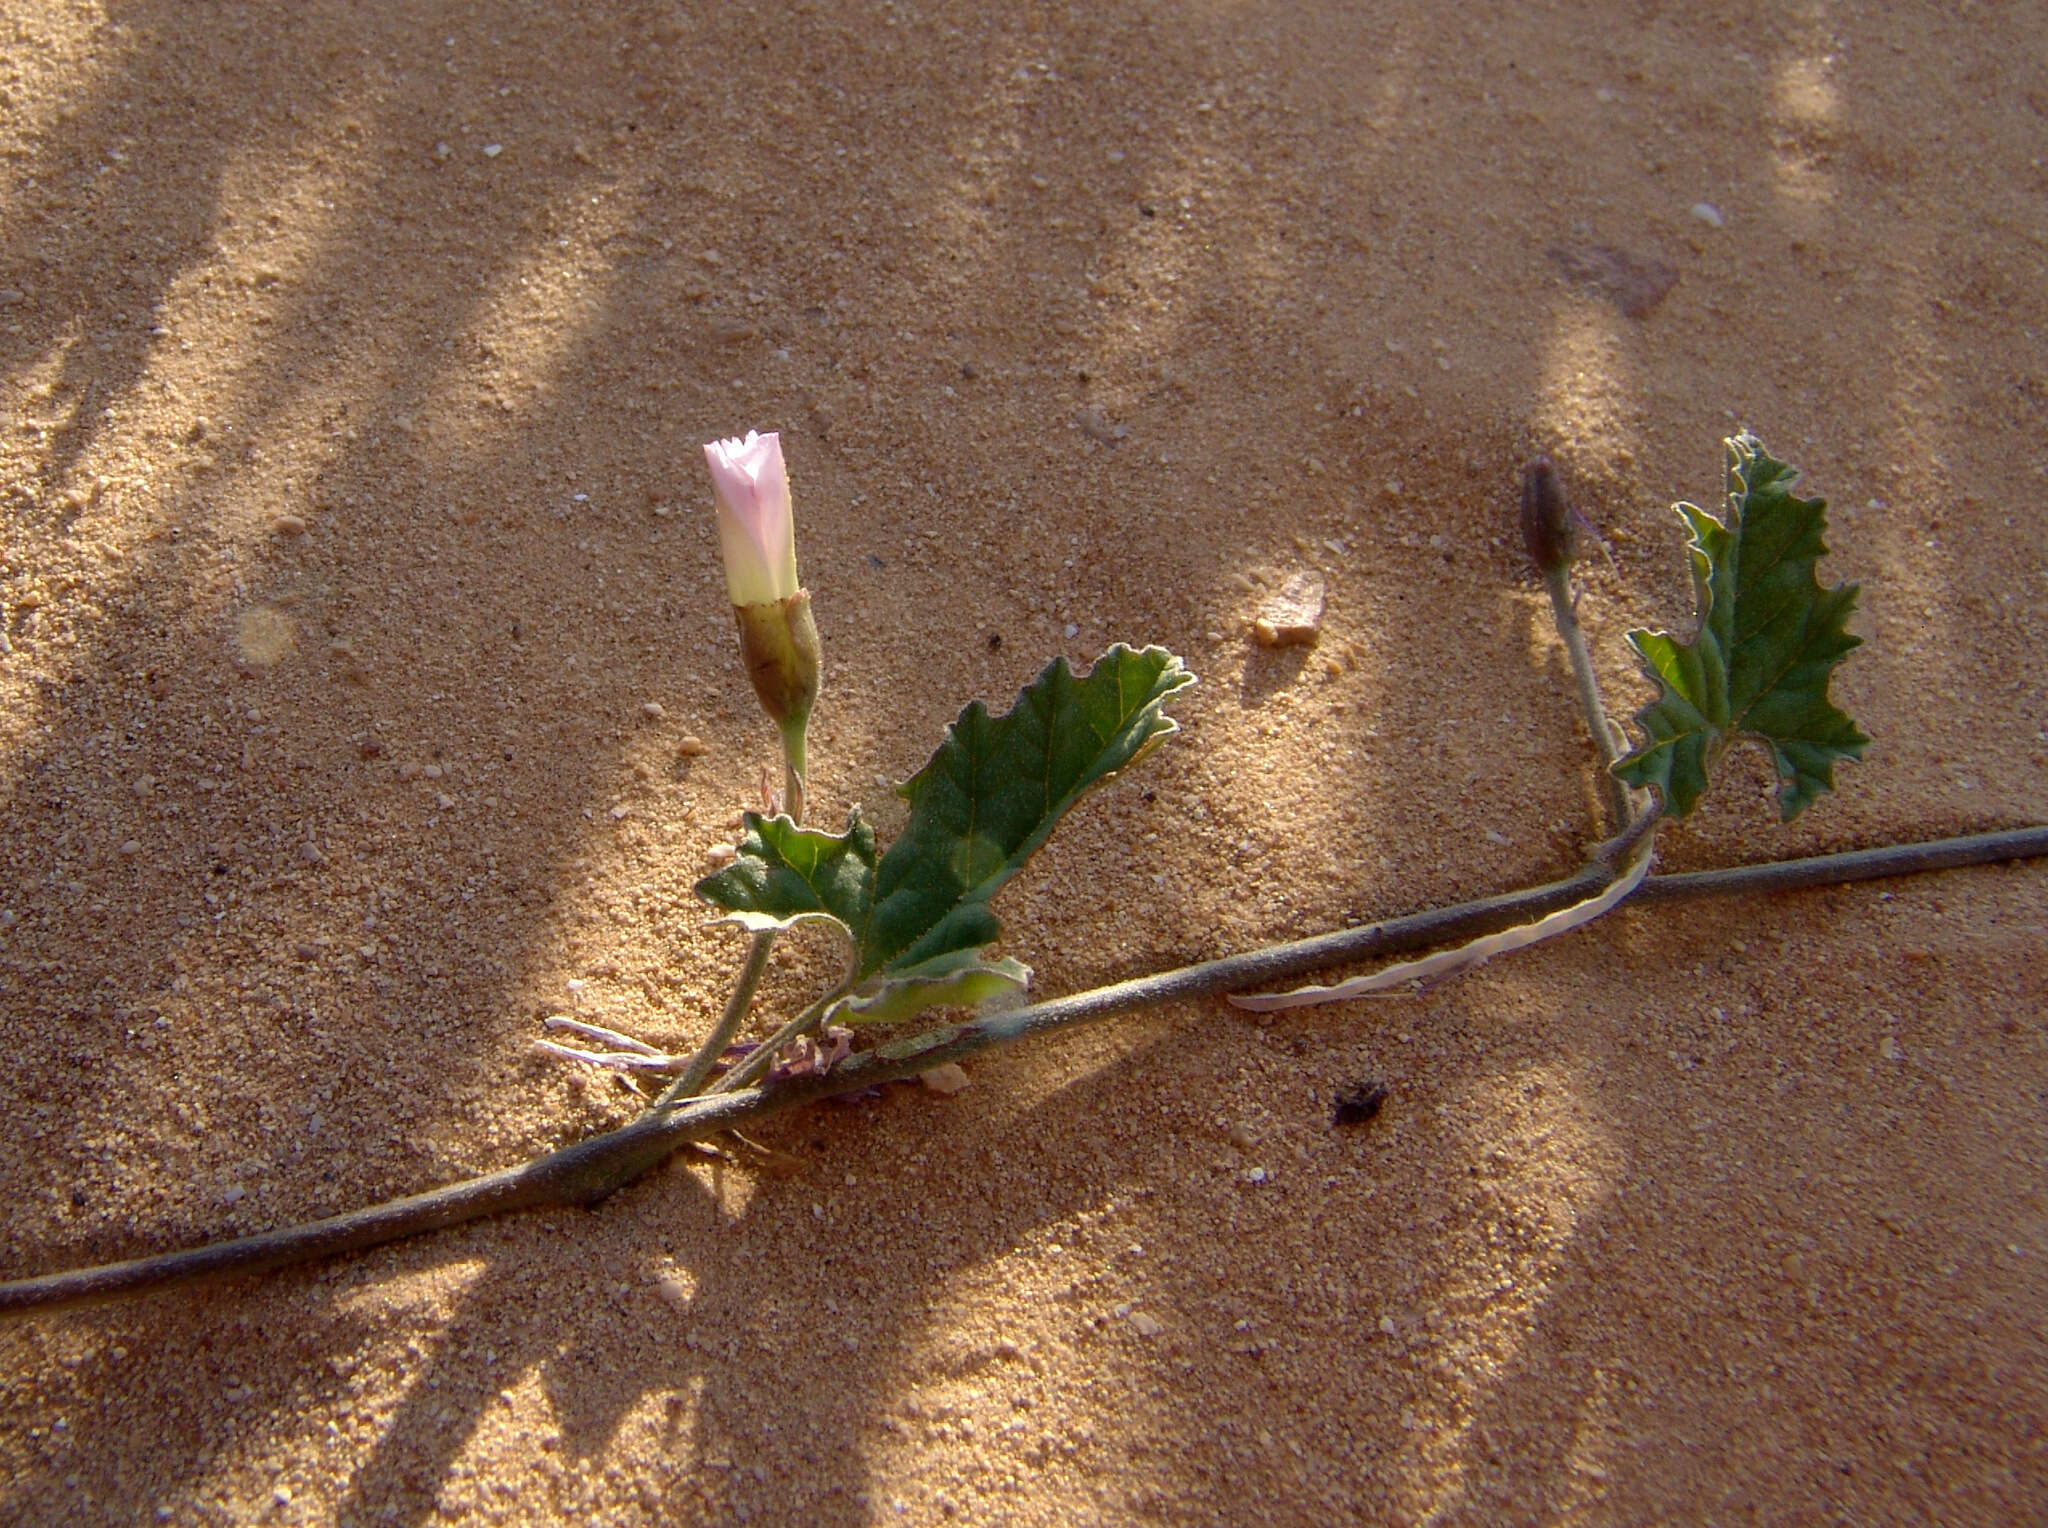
(979, 809)
(786, 874)
(996, 788)
(1769, 639)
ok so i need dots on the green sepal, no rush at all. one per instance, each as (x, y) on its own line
(1769, 639)
(786, 875)
(957, 979)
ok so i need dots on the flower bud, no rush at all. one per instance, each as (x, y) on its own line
(1547, 528)
(756, 529)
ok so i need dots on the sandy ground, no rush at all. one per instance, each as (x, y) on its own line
(354, 359)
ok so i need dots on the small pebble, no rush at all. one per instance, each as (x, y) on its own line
(370, 748)
(432, 771)
(1144, 1325)
(493, 150)
(310, 853)
(131, 847)
(621, 812)
(654, 711)
(1294, 616)
(693, 747)
(1709, 214)
(443, 800)
(408, 771)
(289, 525)
(948, 1078)
(1357, 1105)
(1095, 424)
(721, 854)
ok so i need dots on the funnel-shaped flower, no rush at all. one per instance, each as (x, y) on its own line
(755, 527)
(778, 638)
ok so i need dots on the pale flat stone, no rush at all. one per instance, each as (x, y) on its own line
(1294, 616)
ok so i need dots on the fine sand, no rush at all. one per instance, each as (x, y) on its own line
(368, 693)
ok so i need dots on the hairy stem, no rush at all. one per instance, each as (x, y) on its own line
(1558, 581)
(588, 1171)
(691, 1082)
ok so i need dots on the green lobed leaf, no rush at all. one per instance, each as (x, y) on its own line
(1769, 639)
(786, 874)
(995, 789)
(957, 979)
(980, 808)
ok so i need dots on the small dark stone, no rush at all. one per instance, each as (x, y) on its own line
(1357, 1105)
(995, 641)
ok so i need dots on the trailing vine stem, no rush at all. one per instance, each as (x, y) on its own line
(589, 1171)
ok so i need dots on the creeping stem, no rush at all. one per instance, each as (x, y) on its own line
(588, 1171)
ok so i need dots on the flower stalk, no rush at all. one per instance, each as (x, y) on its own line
(1552, 540)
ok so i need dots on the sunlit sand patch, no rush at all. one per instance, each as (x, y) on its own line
(1595, 1433)
(287, 1452)
(1585, 387)
(1806, 93)
(1550, 1166)
(548, 299)
(1918, 565)
(657, 1434)
(264, 636)
(1807, 107)
(428, 1294)
(50, 43)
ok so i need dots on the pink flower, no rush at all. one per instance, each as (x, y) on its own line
(756, 529)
